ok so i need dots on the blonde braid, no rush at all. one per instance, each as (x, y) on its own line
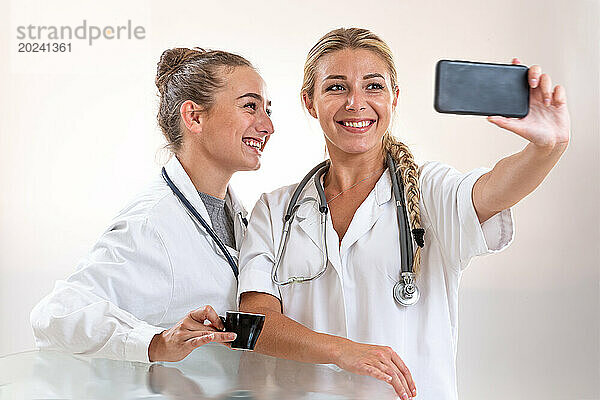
(409, 172)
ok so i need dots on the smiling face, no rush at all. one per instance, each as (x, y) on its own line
(353, 100)
(237, 127)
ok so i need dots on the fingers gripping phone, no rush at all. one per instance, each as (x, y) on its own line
(475, 88)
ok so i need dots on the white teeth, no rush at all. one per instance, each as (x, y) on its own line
(360, 124)
(253, 143)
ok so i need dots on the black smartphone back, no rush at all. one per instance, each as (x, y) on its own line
(475, 88)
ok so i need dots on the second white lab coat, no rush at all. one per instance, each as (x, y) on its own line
(353, 298)
(152, 266)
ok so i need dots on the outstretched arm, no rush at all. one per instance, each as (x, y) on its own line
(547, 128)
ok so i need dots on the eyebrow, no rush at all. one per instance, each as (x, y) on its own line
(254, 96)
(344, 77)
(375, 75)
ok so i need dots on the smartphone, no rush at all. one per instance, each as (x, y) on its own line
(476, 88)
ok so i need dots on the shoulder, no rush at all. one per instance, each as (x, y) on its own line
(432, 170)
(443, 188)
(278, 196)
(436, 174)
(270, 207)
(147, 210)
(438, 185)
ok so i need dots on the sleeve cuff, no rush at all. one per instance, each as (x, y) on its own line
(493, 236)
(255, 280)
(138, 341)
(499, 231)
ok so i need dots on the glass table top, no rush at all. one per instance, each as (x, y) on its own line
(209, 372)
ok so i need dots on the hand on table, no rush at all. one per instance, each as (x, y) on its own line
(380, 362)
(177, 342)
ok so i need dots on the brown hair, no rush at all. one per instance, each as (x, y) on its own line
(356, 38)
(189, 74)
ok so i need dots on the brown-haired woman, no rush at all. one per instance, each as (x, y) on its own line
(350, 86)
(136, 295)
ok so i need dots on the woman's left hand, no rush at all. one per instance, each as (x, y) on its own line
(547, 125)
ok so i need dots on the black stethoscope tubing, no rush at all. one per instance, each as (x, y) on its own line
(302, 185)
(406, 245)
(232, 263)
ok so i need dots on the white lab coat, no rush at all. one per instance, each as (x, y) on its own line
(152, 266)
(353, 298)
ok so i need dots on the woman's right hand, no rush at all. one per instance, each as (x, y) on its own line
(176, 343)
(380, 362)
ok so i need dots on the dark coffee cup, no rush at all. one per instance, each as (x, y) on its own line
(247, 327)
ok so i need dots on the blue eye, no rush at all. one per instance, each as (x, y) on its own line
(376, 86)
(269, 112)
(335, 88)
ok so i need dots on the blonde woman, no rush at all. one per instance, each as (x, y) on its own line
(347, 314)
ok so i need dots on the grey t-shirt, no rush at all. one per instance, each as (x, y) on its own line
(221, 218)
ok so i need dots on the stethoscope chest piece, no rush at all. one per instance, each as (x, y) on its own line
(406, 292)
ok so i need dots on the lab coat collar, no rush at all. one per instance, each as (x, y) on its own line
(368, 212)
(183, 182)
(383, 188)
(239, 215)
(310, 208)
(234, 203)
(383, 194)
(308, 217)
(185, 185)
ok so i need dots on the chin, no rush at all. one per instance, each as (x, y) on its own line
(250, 165)
(354, 147)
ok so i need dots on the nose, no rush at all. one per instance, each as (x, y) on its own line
(355, 102)
(264, 124)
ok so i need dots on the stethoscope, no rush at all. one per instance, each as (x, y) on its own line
(405, 291)
(195, 214)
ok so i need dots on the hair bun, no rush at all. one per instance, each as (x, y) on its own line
(171, 61)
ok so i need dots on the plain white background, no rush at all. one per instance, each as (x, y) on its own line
(78, 139)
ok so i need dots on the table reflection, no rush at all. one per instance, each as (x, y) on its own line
(210, 372)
